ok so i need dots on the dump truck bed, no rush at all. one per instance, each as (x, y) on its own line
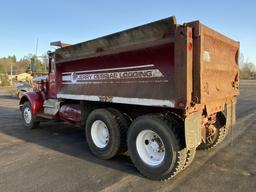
(158, 64)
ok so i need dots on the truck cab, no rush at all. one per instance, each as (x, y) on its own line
(43, 97)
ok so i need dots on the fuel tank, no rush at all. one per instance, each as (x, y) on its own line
(70, 112)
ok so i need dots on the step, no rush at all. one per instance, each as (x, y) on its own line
(47, 116)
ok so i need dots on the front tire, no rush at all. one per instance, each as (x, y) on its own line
(155, 148)
(28, 117)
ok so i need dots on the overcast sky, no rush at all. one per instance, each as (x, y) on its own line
(74, 21)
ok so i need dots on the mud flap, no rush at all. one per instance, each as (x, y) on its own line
(193, 130)
(231, 114)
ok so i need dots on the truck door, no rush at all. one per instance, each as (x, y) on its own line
(52, 89)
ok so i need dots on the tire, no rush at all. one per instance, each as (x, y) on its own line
(154, 147)
(191, 153)
(123, 123)
(103, 133)
(29, 119)
(220, 134)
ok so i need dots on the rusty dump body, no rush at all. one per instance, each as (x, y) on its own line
(188, 67)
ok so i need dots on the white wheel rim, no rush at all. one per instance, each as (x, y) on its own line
(27, 115)
(150, 147)
(100, 133)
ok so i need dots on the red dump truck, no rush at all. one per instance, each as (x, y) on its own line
(159, 91)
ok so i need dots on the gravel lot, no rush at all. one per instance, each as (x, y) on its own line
(55, 157)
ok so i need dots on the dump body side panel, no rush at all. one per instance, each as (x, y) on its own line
(143, 77)
(135, 66)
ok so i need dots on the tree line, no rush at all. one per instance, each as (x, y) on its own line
(23, 65)
(11, 65)
(247, 68)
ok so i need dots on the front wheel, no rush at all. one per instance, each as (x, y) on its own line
(155, 148)
(28, 117)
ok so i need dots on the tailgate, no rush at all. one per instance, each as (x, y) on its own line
(215, 71)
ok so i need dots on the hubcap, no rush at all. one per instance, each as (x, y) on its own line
(27, 115)
(100, 134)
(150, 147)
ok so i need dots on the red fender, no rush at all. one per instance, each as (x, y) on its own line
(36, 100)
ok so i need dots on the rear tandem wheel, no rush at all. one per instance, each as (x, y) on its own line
(155, 147)
(105, 132)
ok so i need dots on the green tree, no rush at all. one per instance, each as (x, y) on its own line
(4, 81)
(6, 63)
(23, 65)
(1, 68)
